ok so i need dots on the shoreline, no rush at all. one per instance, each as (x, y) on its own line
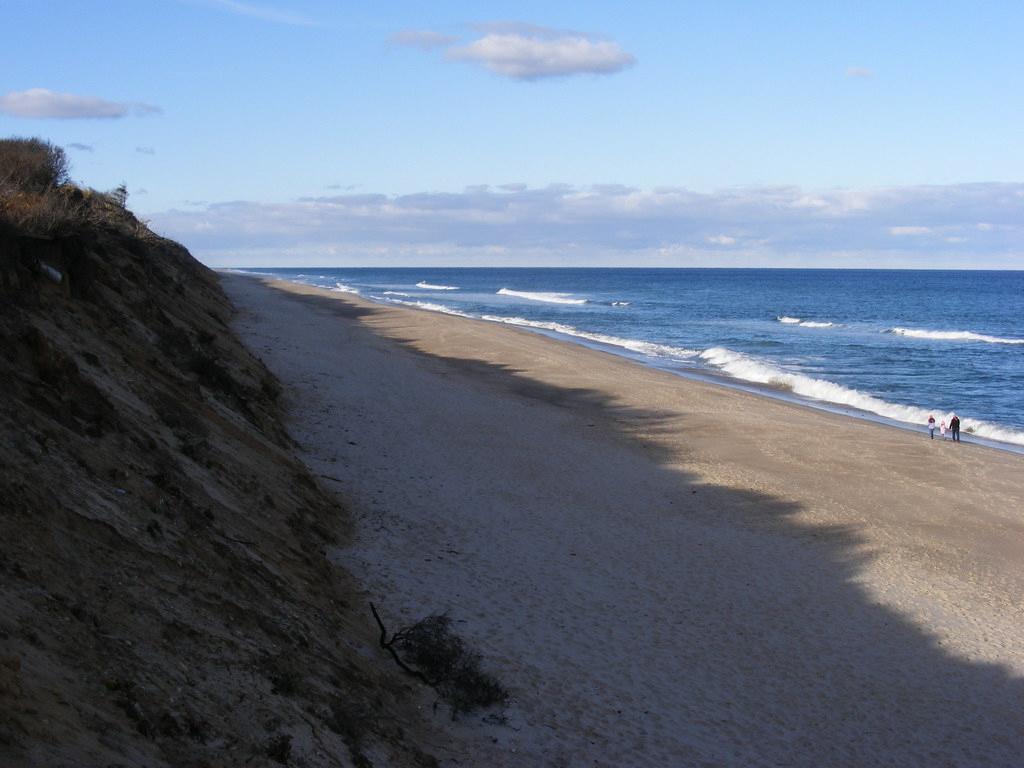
(663, 571)
(708, 376)
(730, 382)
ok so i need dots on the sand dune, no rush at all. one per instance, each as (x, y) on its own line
(663, 571)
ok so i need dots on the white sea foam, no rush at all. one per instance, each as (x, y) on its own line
(621, 303)
(395, 293)
(428, 305)
(749, 368)
(342, 288)
(803, 323)
(546, 297)
(432, 287)
(917, 333)
(635, 345)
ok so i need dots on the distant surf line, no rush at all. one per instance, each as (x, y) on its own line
(787, 320)
(920, 333)
(432, 287)
(546, 297)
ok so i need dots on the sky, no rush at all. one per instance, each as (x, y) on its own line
(315, 132)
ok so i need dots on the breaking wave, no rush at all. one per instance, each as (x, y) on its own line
(395, 293)
(916, 333)
(342, 288)
(804, 323)
(748, 368)
(432, 287)
(547, 298)
(643, 347)
(428, 305)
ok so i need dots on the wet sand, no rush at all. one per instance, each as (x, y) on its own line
(663, 571)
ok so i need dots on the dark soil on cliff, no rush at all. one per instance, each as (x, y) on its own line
(164, 595)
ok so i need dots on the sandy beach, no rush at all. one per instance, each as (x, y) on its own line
(663, 572)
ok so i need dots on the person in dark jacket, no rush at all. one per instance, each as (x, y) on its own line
(954, 427)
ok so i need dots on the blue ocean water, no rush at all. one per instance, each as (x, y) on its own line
(899, 345)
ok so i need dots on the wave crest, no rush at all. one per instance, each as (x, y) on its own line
(920, 333)
(804, 323)
(649, 348)
(428, 305)
(546, 297)
(433, 287)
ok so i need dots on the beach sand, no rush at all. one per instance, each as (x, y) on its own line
(663, 572)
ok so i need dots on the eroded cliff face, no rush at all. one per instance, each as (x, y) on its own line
(164, 595)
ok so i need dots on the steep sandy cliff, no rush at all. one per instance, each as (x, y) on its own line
(164, 595)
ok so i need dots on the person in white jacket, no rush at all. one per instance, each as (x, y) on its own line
(931, 427)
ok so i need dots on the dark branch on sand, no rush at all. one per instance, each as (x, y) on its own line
(389, 646)
(437, 656)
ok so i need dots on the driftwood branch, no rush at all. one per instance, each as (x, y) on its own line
(389, 646)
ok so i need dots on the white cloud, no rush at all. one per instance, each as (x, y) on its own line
(721, 240)
(263, 12)
(611, 224)
(531, 53)
(859, 72)
(42, 103)
(423, 39)
(525, 51)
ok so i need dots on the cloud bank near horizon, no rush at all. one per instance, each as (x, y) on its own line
(42, 103)
(525, 51)
(961, 225)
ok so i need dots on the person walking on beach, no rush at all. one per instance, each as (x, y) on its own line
(931, 427)
(954, 426)
(942, 429)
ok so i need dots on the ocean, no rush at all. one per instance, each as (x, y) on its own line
(889, 345)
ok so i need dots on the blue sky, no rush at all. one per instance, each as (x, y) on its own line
(658, 133)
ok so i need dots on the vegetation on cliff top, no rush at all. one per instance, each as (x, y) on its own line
(37, 198)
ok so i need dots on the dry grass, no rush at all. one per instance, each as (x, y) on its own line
(41, 213)
(36, 198)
